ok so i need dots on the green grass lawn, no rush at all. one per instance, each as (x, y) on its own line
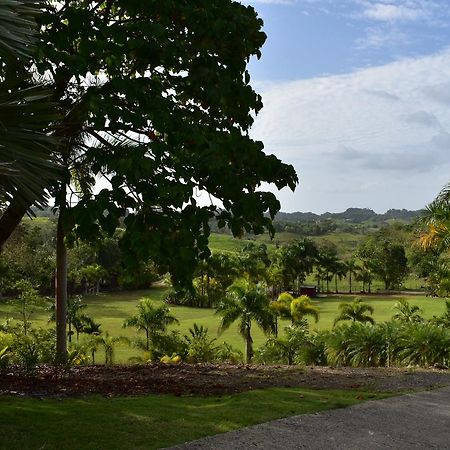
(151, 421)
(111, 310)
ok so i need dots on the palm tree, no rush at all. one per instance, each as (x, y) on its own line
(301, 307)
(356, 311)
(76, 318)
(339, 270)
(152, 319)
(352, 268)
(437, 222)
(292, 309)
(247, 303)
(320, 276)
(407, 313)
(364, 274)
(328, 261)
(108, 343)
(281, 307)
(26, 165)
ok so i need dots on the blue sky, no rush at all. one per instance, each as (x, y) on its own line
(357, 98)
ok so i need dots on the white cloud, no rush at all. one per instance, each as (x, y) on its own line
(392, 12)
(378, 37)
(398, 23)
(378, 137)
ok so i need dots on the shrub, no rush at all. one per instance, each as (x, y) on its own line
(167, 344)
(36, 347)
(283, 350)
(228, 354)
(200, 348)
(313, 352)
(425, 345)
(364, 345)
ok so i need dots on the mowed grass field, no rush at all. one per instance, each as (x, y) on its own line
(152, 421)
(111, 309)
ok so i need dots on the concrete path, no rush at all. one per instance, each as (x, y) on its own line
(413, 421)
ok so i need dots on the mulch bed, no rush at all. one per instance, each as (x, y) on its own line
(209, 379)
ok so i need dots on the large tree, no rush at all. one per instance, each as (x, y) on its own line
(296, 261)
(386, 256)
(157, 102)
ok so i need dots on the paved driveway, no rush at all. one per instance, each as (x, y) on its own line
(413, 421)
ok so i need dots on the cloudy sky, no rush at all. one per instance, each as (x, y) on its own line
(357, 97)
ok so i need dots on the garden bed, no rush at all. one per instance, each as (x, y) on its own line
(208, 379)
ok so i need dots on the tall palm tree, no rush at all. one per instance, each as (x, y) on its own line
(152, 319)
(352, 268)
(364, 274)
(339, 271)
(328, 261)
(246, 303)
(356, 311)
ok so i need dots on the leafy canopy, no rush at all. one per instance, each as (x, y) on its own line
(158, 102)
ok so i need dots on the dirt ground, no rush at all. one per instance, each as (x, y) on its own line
(208, 379)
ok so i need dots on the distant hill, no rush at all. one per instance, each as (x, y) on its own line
(355, 215)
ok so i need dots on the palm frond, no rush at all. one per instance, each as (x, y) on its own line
(26, 167)
(17, 28)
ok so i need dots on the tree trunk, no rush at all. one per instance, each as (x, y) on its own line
(61, 283)
(249, 345)
(290, 358)
(335, 281)
(10, 219)
(202, 284)
(350, 281)
(69, 325)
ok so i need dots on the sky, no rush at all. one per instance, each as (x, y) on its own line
(357, 97)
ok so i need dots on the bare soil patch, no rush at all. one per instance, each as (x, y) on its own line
(209, 379)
